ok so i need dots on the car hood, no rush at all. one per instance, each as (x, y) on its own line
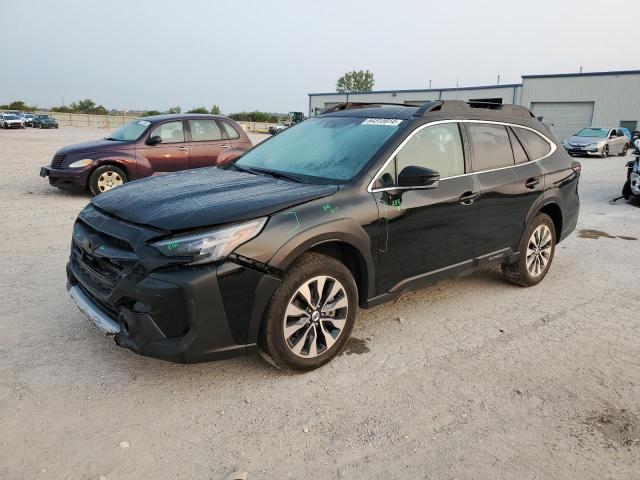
(95, 146)
(585, 140)
(204, 197)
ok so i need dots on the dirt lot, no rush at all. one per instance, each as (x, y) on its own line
(470, 379)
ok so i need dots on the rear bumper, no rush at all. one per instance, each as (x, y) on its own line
(74, 180)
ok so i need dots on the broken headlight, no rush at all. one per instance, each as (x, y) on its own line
(211, 246)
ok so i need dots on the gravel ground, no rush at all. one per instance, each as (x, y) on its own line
(469, 379)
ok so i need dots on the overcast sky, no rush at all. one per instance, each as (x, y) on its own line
(268, 54)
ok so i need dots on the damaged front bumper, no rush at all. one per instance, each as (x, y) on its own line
(173, 313)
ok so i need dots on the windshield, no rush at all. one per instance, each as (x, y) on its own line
(593, 132)
(332, 148)
(130, 131)
(11, 117)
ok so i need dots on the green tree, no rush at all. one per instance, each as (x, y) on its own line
(175, 109)
(149, 113)
(215, 110)
(355, 81)
(83, 106)
(18, 105)
(198, 110)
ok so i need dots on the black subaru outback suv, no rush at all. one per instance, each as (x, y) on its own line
(348, 209)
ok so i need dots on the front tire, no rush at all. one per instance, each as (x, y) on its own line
(536, 248)
(311, 314)
(605, 151)
(105, 178)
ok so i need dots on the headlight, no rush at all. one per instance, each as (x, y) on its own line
(81, 163)
(210, 246)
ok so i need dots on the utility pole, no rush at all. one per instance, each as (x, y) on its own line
(498, 83)
(581, 70)
(429, 84)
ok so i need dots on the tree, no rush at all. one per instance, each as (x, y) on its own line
(355, 81)
(175, 109)
(149, 113)
(198, 110)
(84, 106)
(18, 105)
(215, 110)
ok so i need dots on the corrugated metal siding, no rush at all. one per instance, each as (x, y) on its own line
(615, 97)
(566, 118)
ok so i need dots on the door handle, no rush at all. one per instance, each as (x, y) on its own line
(183, 149)
(532, 183)
(467, 198)
(224, 146)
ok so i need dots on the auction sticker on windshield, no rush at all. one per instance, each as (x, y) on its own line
(144, 123)
(388, 122)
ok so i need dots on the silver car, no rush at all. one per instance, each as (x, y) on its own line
(600, 142)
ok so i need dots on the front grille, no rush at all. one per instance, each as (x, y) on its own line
(110, 239)
(57, 161)
(107, 309)
(99, 273)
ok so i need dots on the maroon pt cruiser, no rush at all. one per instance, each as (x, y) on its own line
(162, 143)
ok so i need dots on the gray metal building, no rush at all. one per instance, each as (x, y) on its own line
(568, 101)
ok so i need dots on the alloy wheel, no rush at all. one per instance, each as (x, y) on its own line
(539, 250)
(315, 317)
(109, 180)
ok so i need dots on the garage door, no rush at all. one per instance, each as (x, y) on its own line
(565, 118)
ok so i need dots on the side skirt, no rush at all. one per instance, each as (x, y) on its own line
(505, 255)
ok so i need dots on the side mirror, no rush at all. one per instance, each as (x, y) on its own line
(156, 139)
(418, 177)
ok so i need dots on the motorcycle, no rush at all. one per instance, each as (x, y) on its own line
(631, 187)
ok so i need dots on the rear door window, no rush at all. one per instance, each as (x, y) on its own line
(490, 145)
(204, 130)
(534, 144)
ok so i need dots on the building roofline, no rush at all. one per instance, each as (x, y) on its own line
(584, 74)
(421, 90)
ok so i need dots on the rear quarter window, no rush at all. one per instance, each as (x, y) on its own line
(534, 144)
(232, 133)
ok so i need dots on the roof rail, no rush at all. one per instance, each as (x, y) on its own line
(458, 106)
(355, 105)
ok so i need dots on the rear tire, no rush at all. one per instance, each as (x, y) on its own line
(105, 178)
(536, 248)
(624, 150)
(311, 314)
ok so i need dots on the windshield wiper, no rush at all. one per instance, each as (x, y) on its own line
(241, 169)
(287, 176)
(111, 138)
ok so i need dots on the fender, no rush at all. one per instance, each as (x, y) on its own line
(125, 159)
(344, 230)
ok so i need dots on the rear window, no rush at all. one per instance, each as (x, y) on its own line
(491, 146)
(537, 146)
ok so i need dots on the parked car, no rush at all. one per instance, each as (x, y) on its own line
(627, 133)
(601, 142)
(44, 121)
(28, 119)
(276, 129)
(277, 250)
(11, 120)
(156, 144)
